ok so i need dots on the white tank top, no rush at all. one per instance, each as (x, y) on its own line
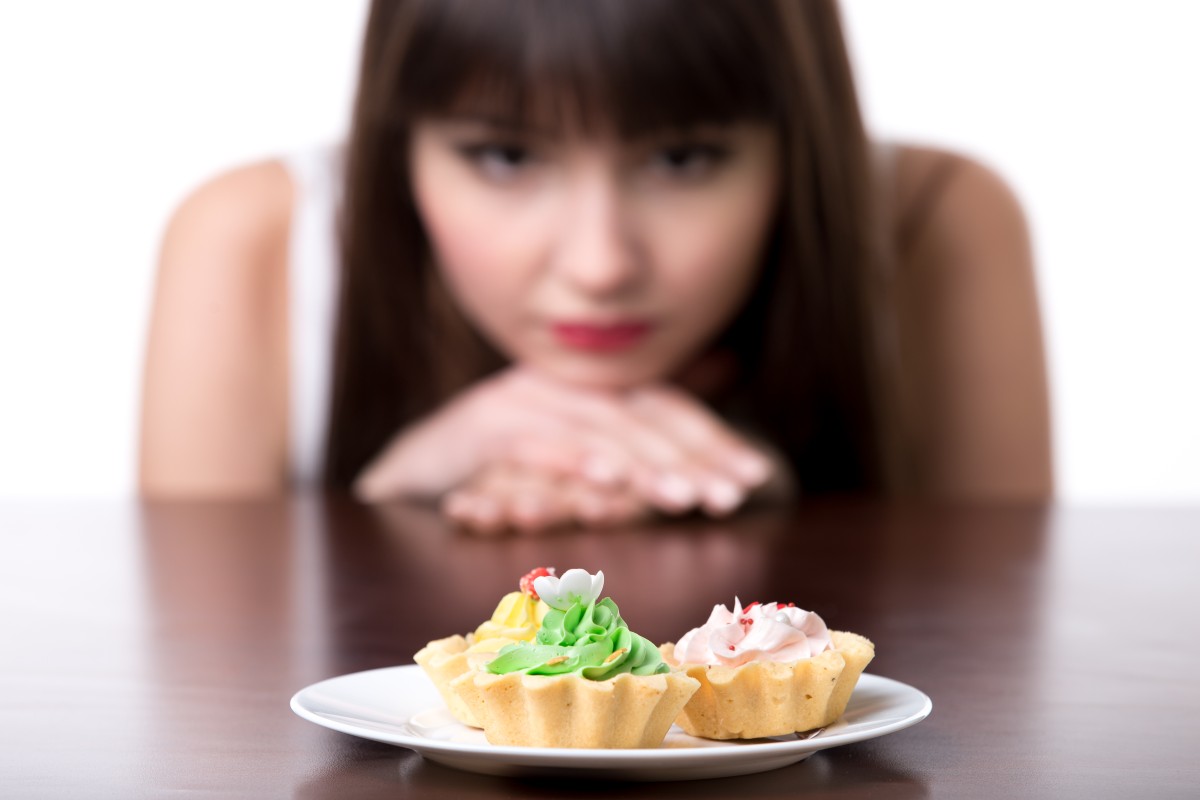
(312, 286)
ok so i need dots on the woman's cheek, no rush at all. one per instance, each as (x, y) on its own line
(483, 243)
(714, 256)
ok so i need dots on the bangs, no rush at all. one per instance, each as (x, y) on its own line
(625, 66)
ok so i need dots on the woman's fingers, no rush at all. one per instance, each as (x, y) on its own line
(476, 428)
(579, 454)
(508, 497)
(724, 465)
(605, 506)
(496, 453)
(474, 510)
(623, 443)
(672, 449)
(702, 432)
(511, 497)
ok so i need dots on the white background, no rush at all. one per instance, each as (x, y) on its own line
(111, 112)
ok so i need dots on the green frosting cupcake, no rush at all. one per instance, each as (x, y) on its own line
(580, 635)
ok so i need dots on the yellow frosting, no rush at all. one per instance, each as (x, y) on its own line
(516, 619)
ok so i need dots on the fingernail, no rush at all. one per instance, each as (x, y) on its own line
(485, 510)
(601, 470)
(751, 468)
(456, 504)
(722, 496)
(593, 509)
(528, 505)
(676, 490)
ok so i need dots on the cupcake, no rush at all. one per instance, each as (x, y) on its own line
(766, 670)
(516, 619)
(585, 680)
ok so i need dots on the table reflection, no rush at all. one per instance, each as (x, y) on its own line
(661, 577)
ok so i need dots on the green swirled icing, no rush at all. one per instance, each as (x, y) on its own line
(583, 640)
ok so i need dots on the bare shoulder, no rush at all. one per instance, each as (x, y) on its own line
(215, 381)
(945, 199)
(971, 332)
(248, 207)
(229, 237)
(959, 228)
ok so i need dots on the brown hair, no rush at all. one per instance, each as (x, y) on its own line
(807, 373)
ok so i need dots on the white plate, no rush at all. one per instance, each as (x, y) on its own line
(400, 706)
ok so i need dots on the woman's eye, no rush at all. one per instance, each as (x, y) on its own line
(496, 160)
(691, 160)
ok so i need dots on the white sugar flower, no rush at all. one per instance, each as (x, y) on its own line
(575, 586)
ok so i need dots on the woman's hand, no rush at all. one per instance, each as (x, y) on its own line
(529, 500)
(656, 442)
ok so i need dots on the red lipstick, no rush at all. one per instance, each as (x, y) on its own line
(601, 338)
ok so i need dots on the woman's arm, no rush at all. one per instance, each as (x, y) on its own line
(215, 391)
(974, 373)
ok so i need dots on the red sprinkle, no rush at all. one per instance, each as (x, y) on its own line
(527, 581)
(731, 647)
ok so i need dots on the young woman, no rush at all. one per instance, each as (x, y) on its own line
(596, 260)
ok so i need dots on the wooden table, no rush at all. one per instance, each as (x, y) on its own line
(150, 651)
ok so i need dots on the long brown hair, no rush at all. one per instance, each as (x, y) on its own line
(807, 378)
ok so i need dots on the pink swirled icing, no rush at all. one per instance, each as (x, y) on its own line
(770, 632)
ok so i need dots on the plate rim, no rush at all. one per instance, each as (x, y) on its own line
(597, 757)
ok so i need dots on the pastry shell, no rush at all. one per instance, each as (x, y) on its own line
(446, 659)
(572, 711)
(765, 698)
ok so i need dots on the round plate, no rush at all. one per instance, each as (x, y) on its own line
(400, 706)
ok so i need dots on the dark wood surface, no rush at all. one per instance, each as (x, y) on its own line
(150, 651)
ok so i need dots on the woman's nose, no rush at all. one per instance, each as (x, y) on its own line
(597, 252)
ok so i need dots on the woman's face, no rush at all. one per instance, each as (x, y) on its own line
(599, 261)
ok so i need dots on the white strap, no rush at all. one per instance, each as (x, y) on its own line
(313, 280)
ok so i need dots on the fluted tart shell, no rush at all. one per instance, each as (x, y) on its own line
(446, 659)
(625, 711)
(765, 698)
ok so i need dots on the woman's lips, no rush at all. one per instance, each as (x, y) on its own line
(601, 338)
